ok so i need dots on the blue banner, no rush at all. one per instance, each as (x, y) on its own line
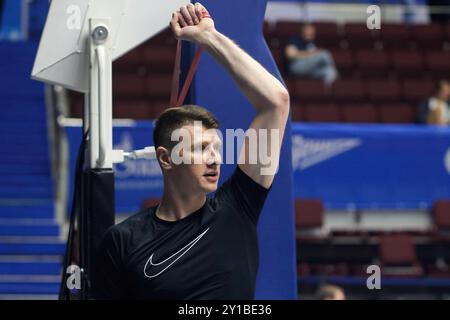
(135, 180)
(368, 2)
(347, 166)
(371, 166)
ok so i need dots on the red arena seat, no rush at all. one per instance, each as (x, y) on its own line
(397, 113)
(383, 91)
(322, 113)
(365, 113)
(348, 90)
(309, 213)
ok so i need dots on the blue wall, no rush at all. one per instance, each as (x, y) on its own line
(214, 89)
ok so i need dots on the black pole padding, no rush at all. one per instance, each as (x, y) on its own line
(70, 255)
(97, 215)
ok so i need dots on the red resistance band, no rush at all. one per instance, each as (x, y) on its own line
(175, 100)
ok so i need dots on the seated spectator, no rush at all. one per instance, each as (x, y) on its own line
(305, 59)
(436, 110)
(330, 292)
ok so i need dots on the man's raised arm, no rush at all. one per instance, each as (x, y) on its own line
(263, 90)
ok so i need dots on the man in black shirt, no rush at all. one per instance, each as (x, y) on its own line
(192, 246)
(304, 58)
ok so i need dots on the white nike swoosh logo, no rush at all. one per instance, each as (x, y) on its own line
(172, 259)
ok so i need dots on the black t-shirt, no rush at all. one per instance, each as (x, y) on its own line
(210, 254)
(301, 44)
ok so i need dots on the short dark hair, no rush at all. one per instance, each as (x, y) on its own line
(440, 84)
(176, 117)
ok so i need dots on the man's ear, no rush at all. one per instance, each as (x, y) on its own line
(163, 156)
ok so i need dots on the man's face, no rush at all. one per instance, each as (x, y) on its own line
(200, 168)
(308, 33)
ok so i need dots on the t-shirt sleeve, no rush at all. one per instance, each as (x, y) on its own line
(244, 194)
(107, 280)
(298, 42)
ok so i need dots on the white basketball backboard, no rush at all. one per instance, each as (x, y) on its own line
(62, 56)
